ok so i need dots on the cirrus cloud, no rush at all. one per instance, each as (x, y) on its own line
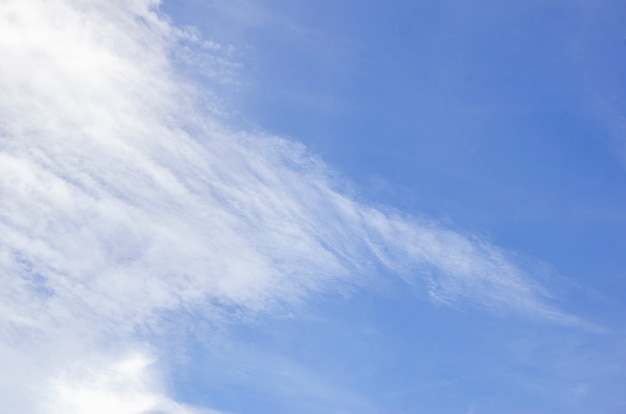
(122, 199)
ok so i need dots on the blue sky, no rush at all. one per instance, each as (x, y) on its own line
(304, 207)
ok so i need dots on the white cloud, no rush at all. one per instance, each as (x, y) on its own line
(120, 200)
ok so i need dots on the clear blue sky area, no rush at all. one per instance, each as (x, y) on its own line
(503, 119)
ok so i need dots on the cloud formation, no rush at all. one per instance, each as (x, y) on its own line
(121, 200)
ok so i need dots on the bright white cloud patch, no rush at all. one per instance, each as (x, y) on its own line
(123, 387)
(121, 200)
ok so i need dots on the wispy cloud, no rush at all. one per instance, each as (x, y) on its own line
(121, 199)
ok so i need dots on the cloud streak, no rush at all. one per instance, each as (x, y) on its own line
(121, 200)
